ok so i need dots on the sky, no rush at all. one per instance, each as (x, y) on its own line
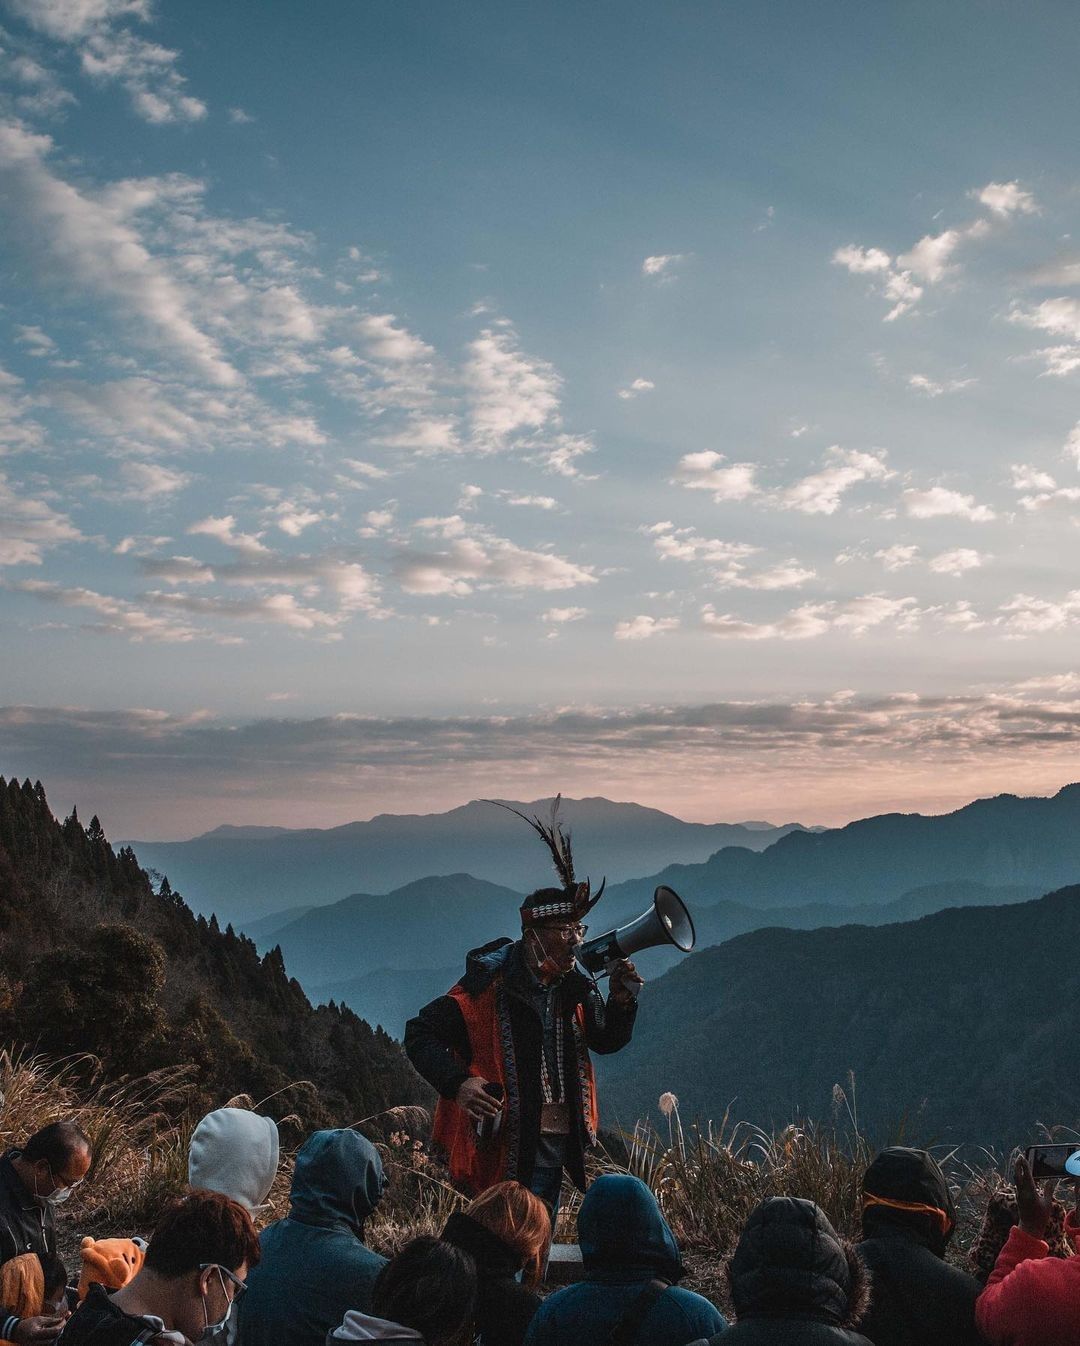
(405, 402)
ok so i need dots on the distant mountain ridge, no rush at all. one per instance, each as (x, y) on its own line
(1031, 842)
(245, 873)
(959, 1027)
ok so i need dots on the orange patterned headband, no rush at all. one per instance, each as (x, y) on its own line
(911, 1207)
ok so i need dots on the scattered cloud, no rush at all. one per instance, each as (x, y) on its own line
(853, 617)
(29, 527)
(933, 388)
(957, 562)
(897, 557)
(224, 529)
(703, 472)
(635, 388)
(560, 616)
(820, 492)
(152, 480)
(509, 393)
(473, 558)
(662, 264)
(1006, 198)
(644, 628)
(938, 502)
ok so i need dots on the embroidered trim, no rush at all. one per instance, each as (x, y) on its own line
(512, 1120)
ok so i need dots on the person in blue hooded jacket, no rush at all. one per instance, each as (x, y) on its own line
(632, 1264)
(315, 1266)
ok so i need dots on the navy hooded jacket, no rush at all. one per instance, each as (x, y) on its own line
(625, 1243)
(314, 1265)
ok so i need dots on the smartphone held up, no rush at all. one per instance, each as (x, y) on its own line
(1053, 1161)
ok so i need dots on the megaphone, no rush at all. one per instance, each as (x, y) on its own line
(666, 922)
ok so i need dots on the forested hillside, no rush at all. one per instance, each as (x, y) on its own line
(959, 1027)
(94, 959)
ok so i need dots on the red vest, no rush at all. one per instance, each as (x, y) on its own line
(476, 1167)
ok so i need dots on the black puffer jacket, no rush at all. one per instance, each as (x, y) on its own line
(916, 1299)
(504, 1307)
(793, 1282)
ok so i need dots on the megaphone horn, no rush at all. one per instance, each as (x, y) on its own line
(666, 921)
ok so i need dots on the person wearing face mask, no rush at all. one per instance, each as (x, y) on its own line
(507, 1048)
(200, 1252)
(34, 1180)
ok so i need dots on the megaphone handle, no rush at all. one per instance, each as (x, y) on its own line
(633, 987)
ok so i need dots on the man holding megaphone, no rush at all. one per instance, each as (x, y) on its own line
(508, 1047)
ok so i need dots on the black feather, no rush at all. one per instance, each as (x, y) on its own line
(556, 840)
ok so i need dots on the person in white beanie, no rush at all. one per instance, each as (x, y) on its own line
(235, 1152)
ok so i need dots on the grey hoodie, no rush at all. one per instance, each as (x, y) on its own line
(314, 1266)
(363, 1327)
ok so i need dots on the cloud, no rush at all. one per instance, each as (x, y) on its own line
(69, 20)
(239, 117)
(560, 616)
(117, 616)
(1039, 489)
(545, 502)
(726, 560)
(938, 503)
(861, 261)
(662, 264)
(152, 480)
(957, 562)
(932, 388)
(1026, 615)
(561, 453)
(29, 527)
(644, 628)
(292, 518)
(902, 279)
(475, 558)
(820, 492)
(1006, 198)
(224, 530)
(897, 557)
(853, 617)
(633, 389)
(111, 54)
(508, 392)
(147, 71)
(1059, 316)
(848, 756)
(36, 342)
(85, 244)
(271, 609)
(340, 576)
(702, 472)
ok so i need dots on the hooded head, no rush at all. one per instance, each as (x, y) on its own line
(905, 1193)
(338, 1181)
(790, 1261)
(235, 1152)
(622, 1234)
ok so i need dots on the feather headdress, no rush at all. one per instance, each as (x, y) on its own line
(574, 900)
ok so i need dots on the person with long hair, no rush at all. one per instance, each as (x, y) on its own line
(425, 1296)
(507, 1231)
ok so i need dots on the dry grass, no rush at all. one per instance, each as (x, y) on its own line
(707, 1179)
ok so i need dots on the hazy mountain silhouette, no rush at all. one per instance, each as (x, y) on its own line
(1007, 840)
(958, 1027)
(395, 963)
(243, 873)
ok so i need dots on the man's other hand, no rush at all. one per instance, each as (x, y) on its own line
(42, 1327)
(1035, 1207)
(473, 1100)
(625, 982)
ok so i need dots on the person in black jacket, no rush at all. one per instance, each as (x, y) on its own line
(34, 1180)
(793, 1282)
(507, 1231)
(200, 1251)
(908, 1219)
(507, 1048)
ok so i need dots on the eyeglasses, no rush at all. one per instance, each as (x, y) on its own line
(573, 931)
(239, 1286)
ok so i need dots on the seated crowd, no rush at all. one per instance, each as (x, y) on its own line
(309, 1279)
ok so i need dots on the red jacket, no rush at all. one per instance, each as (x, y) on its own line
(1032, 1299)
